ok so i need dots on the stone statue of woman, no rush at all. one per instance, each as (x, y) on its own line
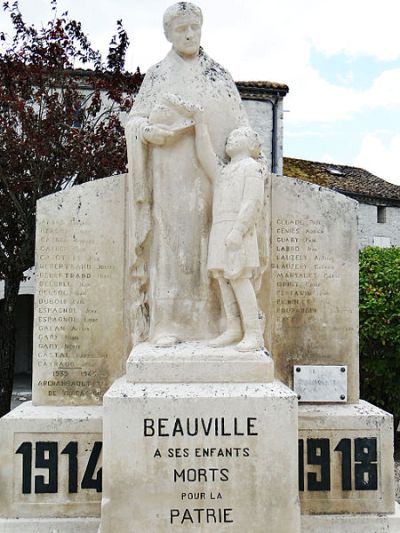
(169, 194)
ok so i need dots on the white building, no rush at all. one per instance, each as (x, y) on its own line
(379, 200)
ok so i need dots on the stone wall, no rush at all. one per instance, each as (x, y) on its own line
(369, 228)
(261, 117)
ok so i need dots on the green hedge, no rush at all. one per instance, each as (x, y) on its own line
(380, 327)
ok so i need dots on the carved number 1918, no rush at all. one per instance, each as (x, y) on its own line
(359, 467)
(46, 457)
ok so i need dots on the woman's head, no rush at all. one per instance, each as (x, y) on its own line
(182, 27)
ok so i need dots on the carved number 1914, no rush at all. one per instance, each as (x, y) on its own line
(46, 457)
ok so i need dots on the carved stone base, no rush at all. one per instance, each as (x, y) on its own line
(209, 456)
(346, 459)
(336, 523)
(50, 460)
(193, 362)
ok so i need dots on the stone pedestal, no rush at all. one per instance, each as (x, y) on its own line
(200, 456)
(346, 475)
(50, 469)
(196, 363)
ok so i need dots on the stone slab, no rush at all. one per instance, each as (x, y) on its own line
(50, 462)
(195, 363)
(345, 459)
(50, 525)
(244, 471)
(311, 294)
(78, 328)
(369, 523)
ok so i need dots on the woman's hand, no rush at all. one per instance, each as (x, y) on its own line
(156, 134)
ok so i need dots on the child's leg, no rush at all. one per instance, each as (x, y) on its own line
(233, 330)
(246, 297)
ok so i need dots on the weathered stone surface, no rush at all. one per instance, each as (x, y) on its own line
(196, 363)
(352, 523)
(346, 459)
(53, 525)
(78, 327)
(49, 463)
(311, 296)
(244, 471)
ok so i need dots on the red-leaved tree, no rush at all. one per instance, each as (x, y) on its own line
(59, 126)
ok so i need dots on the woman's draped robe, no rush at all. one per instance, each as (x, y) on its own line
(170, 201)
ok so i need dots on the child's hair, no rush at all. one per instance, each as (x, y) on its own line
(253, 140)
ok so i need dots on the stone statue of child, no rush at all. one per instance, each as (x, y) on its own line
(233, 255)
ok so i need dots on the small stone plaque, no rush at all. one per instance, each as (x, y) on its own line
(320, 383)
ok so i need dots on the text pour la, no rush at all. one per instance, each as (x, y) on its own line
(192, 427)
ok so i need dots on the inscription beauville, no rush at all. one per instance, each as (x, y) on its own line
(199, 428)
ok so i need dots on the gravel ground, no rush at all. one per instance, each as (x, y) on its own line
(397, 476)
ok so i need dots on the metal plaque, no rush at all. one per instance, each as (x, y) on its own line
(320, 383)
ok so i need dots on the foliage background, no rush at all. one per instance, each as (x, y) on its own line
(380, 327)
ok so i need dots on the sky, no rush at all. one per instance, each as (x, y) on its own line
(340, 59)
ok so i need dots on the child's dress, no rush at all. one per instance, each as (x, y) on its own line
(237, 199)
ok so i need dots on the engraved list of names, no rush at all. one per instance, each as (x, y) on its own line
(78, 303)
(314, 284)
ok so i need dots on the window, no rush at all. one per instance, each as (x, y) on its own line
(381, 214)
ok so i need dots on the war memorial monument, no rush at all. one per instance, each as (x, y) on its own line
(196, 337)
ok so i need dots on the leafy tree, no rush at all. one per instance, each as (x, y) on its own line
(59, 126)
(380, 327)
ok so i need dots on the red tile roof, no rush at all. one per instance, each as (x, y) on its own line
(352, 181)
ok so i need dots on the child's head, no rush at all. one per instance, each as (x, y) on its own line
(243, 139)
